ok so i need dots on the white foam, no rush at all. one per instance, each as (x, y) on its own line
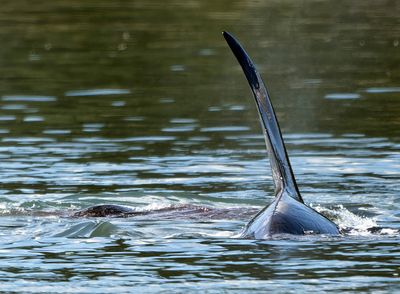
(346, 220)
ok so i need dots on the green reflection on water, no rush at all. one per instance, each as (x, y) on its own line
(305, 51)
(96, 95)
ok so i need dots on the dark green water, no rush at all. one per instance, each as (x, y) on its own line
(141, 103)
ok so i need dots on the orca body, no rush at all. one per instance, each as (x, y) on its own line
(103, 210)
(287, 214)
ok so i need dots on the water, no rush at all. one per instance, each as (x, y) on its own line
(142, 104)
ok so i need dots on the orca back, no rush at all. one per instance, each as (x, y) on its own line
(287, 214)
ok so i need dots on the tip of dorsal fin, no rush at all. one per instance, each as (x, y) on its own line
(282, 173)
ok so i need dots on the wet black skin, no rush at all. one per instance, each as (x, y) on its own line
(103, 210)
(287, 214)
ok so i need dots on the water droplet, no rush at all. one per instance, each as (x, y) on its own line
(126, 36)
(48, 46)
(122, 46)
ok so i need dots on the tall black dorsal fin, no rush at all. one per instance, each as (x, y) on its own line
(281, 170)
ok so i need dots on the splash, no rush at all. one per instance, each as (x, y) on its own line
(352, 224)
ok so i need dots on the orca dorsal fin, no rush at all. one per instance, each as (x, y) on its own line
(282, 173)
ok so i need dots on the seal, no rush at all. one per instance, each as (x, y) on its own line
(287, 214)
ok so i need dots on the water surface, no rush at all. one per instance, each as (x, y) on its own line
(142, 104)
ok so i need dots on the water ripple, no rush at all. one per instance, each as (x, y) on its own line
(97, 92)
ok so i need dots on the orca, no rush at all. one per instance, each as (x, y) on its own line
(287, 214)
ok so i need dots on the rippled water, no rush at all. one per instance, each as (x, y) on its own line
(142, 104)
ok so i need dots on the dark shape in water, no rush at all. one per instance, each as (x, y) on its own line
(104, 210)
(287, 214)
(177, 211)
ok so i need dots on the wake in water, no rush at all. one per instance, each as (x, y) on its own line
(168, 211)
(348, 222)
(352, 224)
(98, 218)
